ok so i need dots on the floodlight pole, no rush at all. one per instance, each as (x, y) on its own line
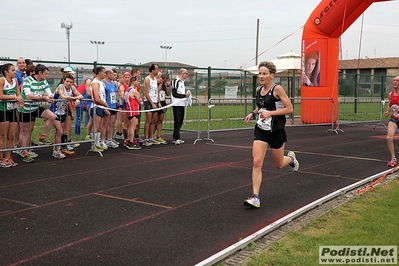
(68, 27)
(166, 52)
(97, 43)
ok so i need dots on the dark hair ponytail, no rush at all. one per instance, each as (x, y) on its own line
(4, 68)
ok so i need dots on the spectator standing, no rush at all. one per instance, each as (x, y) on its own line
(67, 92)
(122, 122)
(36, 88)
(133, 101)
(9, 93)
(89, 102)
(111, 93)
(151, 101)
(164, 90)
(21, 70)
(178, 94)
(98, 109)
(136, 73)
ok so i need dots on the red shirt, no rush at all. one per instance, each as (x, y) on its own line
(132, 106)
(394, 104)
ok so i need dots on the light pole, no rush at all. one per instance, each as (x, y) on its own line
(97, 43)
(68, 27)
(166, 52)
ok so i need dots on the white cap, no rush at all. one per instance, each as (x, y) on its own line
(69, 69)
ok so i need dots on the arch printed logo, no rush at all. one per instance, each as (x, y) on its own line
(324, 12)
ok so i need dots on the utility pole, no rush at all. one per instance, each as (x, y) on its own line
(257, 41)
(68, 27)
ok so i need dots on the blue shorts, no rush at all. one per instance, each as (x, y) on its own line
(99, 111)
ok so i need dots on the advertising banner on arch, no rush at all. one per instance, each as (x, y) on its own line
(314, 62)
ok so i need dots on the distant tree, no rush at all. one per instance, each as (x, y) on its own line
(346, 87)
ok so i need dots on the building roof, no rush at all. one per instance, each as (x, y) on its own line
(387, 62)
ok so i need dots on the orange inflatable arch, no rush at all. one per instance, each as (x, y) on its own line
(320, 54)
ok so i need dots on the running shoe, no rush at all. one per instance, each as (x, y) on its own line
(28, 158)
(147, 143)
(33, 154)
(125, 142)
(68, 152)
(294, 164)
(118, 135)
(88, 137)
(4, 163)
(392, 162)
(21, 153)
(69, 147)
(75, 145)
(139, 139)
(154, 141)
(252, 201)
(114, 141)
(160, 139)
(44, 141)
(132, 146)
(97, 148)
(111, 144)
(135, 142)
(58, 154)
(16, 151)
(13, 164)
(103, 145)
(178, 141)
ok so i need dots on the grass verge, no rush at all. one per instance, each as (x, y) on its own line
(368, 220)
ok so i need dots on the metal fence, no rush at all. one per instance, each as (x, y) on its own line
(218, 114)
(362, 97)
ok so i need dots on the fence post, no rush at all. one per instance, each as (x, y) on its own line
(356, 92)
(254, 78)
(209, 86)
(382, 87)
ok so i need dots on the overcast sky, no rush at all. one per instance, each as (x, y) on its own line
(216, 33)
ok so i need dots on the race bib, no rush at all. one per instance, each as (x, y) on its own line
(112, 97)
(264, 123)
(395, 110)
(162, 95)
(11, 105)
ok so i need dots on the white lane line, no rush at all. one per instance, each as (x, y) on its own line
(312, 153)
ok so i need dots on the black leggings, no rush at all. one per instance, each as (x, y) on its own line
(178, 116)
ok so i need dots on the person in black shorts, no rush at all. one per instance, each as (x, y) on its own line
(164, 91)
(272, 105)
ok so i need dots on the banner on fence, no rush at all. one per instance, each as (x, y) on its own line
(230, 91)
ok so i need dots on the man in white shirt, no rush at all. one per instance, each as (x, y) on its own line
(179, 93)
